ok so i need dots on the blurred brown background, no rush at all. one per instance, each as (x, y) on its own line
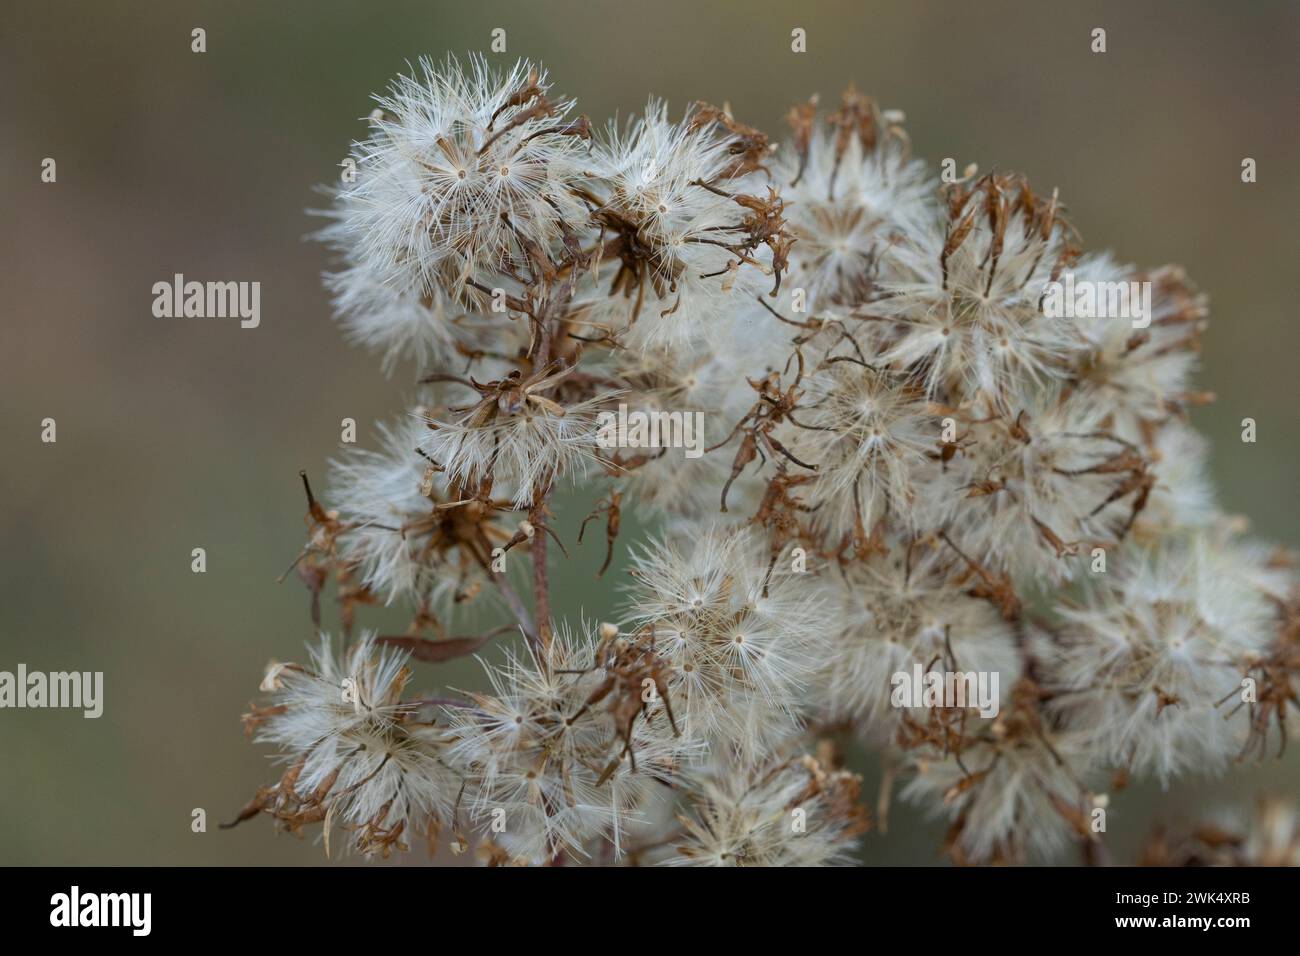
(175, 434)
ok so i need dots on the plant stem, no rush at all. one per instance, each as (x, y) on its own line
(541, 578)
(538, 513)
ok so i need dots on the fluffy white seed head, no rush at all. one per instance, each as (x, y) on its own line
(869, 434)
(1013, 797)
(550, 766)
(358, 757)
(667, 220)
(779, 812)
(898, 611)
(524, 447)
(963, 297)
(850, 198)
(1155, 648)
(740, 656)
(462, 161)
(390, 501)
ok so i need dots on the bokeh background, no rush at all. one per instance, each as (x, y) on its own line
(176, 434)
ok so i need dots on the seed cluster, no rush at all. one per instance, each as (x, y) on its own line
(910, 462)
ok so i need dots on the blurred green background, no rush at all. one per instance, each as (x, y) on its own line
(176, 434)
